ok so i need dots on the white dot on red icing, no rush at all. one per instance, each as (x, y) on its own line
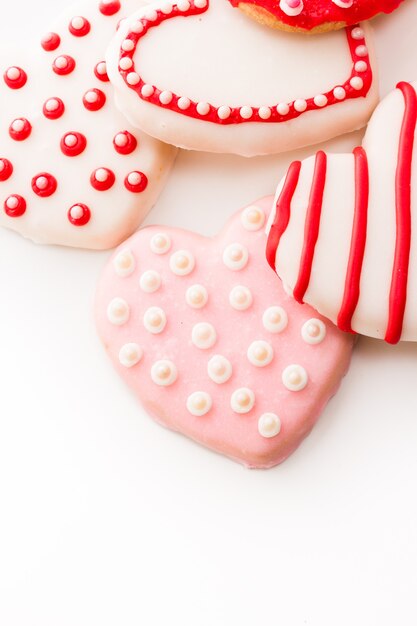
(20, 129)
(100, 71)
(128, 45)
(15, 77)
(313, 331)
(15, 206)
(242, 400)
(224, 112)
(160, 243)
(260, 353)
(125, 63)
(361, 51)
(203, 335)
(291, 7)
(130, 354)
(109, 7)
(44, 185)
(219, 369)
(102, 179)
(269, 425)
(235, 256)
(166, 8)
(300, 105)
(133, 79)
(196, 296)
(361, 66)
(165, 97)
(164, 373)
(150, 281)
(63, 65)
(79, 26)
(155, 320)
(283, 108)
(118, 311)
(356, 82)
(246, 112)
(275, 319)
(151, 15)
(53, 109)
(252, 218)
(320, 100)
(357, 33)
(264, 113)
(73, 144)
(136, 27)
(294, 377)
(183, 5)
(203, 108)
(182, 263)
(343, 4)
(200, 4)
(125, 143)
(147, 91)
(339, 93)
(79, 214)
(199, 403)
(124, 263)
(136, 182)
(94, 99)
(183, 103)
(240, 298)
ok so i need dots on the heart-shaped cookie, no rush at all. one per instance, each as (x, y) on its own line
(72, 169)
(197, 74)
(343, 237)
(209, 342)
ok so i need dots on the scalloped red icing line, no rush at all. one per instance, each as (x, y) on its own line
(357, 84)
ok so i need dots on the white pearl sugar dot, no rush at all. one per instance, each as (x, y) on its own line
(133, 78)
(300, 105)
(150, 281)
(283, 108)
(275, 319)
(235, 256)
(165, 97)
(269, 425)
(356, 82)
(118, 311)
(242, 400)
(320, 100)
(252, 218)
(203, 108)
(183, 5)
(203, 335)
(264, 113)
(361, 51)
(13, 73)
(184, 103)
(339, 93)
(260, 353)
(125, 63)
(199, 403)
(219, 369)
(164, 373)
(196, 296)
(294, 377)
(240, 298)
(182, 263)
(224, 112)
(130, 354)
(155, 320)
(313, 331)
(246, 112)
(361, 66)
(160, 243)
(357, 33)
(124, 263)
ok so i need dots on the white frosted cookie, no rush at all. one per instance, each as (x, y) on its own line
(344, 236)
(73, 171)
(199, 75)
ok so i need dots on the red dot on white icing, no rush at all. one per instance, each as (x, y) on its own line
(50, 42)
(6, 169)
(53, 108)
(102, 179)
(94, 99)
(109, 7)
(79, 26)
(15, 206)
(125, 142)
(63, 65)
(20, 129)
(136, 182)
(79, 214)
(100, 72)
(73, 144)
(44, 185)
(15, 77)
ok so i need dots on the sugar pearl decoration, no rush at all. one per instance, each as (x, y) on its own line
(361, 51)
(224, 112)
(196, 296)
(356, 82)
(339, 93)
(260, 353)
(343, 4)
(242, 400)
(219, 369)
(182, 263)
(203, 335)
(294, 377)
(118, 312)
(283, 108)
(160, 243)
(300, 106)
(313, 331)
(291, 7)
(357, 33)
(264, 113)
(275, 319)
(252, 218)
(155, 320)
(124, 263)
(320, 100)
(240, 298)
(203, 108)
(235, 256)
(269, 425)
(130, 354)
(184, 103)
(150, 281)
(164, 373)
(133, 78)
(183, 5)
(165, 97)
(199, 403)
(361, 66)
(246, 112)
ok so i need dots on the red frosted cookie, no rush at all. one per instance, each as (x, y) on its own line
(314, 16)
(209, 342)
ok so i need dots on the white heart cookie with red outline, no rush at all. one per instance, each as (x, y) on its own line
(344, 235)
(199, 75)
(203, 333)
(72, 170)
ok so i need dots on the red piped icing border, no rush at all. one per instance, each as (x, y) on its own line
(356, 85)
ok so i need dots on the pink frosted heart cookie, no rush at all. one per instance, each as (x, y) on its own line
(73, 171)
(344, 236)
(203, 333)
(245, 90)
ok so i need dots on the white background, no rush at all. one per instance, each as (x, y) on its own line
(108, 519)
